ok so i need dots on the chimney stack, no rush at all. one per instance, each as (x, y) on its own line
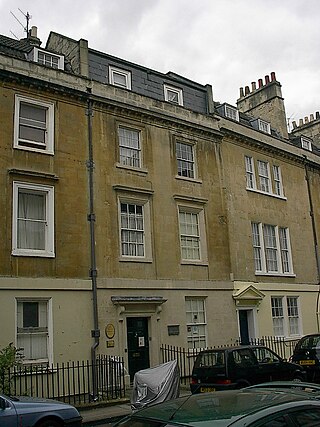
(266, 103)
(32, 37)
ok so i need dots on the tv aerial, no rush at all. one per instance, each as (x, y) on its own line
(25, 27)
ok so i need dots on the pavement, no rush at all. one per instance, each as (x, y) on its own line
(105, 413)
(111, 411)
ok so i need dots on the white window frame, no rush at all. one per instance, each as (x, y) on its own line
(231, 112)
(60, 58)
(190, 164)
(49, 328)
(264, 176)
(199, 235)
(250, 173)
(136, 152)
(306, 143)
(171, 90)
(48, 192)
(48, 146)
(277, 180)
(268, 183)
(264, 126)
(196, 322)
(113, 71)
(146, 232)
(286, 317)
(271, 250)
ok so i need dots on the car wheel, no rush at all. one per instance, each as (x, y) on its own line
(49, 423)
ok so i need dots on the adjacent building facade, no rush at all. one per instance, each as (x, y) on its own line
(137, 211)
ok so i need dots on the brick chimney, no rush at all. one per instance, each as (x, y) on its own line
(265, 102)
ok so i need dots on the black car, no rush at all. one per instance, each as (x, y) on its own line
(307, 354)
(238, 367)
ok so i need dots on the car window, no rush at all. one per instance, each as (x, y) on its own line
(244, 357)
(310, 342)
(307, 418)
(274, 422)
(214, 358)
(264, 355)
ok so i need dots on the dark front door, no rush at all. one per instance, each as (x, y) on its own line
(138, 344)
(244, 328)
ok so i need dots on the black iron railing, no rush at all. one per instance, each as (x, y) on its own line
(71, 382)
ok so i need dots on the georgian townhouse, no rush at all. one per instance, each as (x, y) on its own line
(273, 211)
(139, 212)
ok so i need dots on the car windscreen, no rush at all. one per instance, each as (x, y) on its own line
(309, 342)
(210, 359)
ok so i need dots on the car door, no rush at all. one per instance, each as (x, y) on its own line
(270, 365)
(8, 415)
(245, 366)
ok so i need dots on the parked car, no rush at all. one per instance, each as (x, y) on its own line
(256, 407)
(307, 354)
(297, 385)
(237, 367)
(36, 412)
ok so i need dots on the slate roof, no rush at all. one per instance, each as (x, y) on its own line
(16, 48)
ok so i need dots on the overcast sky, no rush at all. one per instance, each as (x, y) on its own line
(225, 43)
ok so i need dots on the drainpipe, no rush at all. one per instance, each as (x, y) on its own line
(95, 333)
(316, 248)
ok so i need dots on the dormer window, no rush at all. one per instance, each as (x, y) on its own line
(228, 111)
(173, 95)
(231, 112)
(48, 59)
(306, 143)
(261, 125)
(264, 126)
(121, 78)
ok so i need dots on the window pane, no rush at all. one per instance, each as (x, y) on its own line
(31, 221)
(129, 146)
(32, 123)
(270, 242)
(30, 314)
(132, 230)
(257, 253)
(284, 247)
(196, 323)
(185, 161)
(277, 316)
(264, 176)
(189, 235)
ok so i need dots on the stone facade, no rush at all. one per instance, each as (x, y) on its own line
(96, 296)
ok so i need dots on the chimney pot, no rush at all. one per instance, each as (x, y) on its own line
(273, 76)
(300, 122)
(241, 92)
(260, 83)
(253, 86)
(317, 115)
(306, 119)
(311, 117)
(33, 32)
(247, 90)
(267, 80)
(294, 124)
